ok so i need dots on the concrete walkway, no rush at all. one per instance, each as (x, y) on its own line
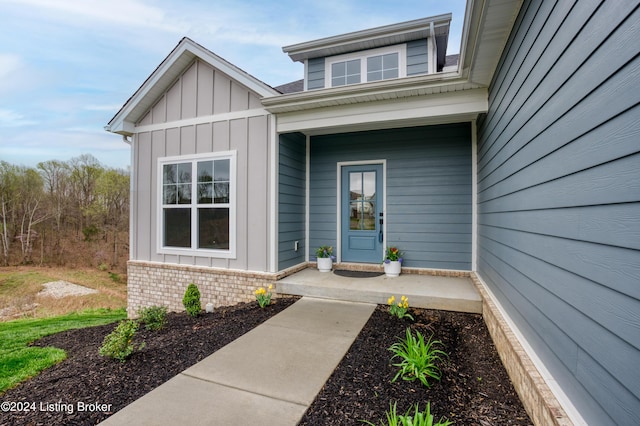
(269, 376)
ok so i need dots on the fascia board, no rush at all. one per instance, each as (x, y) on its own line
(435, 107)
(301, 51)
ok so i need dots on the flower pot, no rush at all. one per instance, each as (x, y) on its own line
(393, 268)
(325, 264)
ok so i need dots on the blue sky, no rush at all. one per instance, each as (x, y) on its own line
(67, 66)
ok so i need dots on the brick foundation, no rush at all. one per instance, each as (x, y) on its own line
(159, 284)
(540, 403)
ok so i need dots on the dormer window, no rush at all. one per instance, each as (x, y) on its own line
(366, 66)
(345, 72)
(382, 67)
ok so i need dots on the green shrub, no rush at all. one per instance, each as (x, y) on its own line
(418, 419)
(191, 300)
(418, 358)
(154, 317)
(119, 343)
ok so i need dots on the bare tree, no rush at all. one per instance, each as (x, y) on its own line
(8, 194)
(30, 196)
(56, 175)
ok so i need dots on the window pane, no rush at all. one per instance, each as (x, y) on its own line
(368, 216)
(369, 184)
(177, 228)
(184, 173)
(213, 228)
(390, 74)
(390, 61)
(221, 193)
(169, 173)
(353, 79)
(374, 63)
(221, 170)
(170, 194)
(338, 69)
(353, 67)
(205, 171)
(205, 193)
(340, 81)
(355, 215)
(184, 194)
(374, 76)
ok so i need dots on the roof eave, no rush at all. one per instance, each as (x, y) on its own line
(356, 40)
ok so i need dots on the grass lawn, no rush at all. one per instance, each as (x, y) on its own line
(18, 361)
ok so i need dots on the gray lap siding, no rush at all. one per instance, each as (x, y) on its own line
(428, 190)
(559, 198)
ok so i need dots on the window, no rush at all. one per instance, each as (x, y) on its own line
(382, 67)
(197, 205)
(347, 72)
(368, 65)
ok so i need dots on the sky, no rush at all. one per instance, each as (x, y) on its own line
(67, 66)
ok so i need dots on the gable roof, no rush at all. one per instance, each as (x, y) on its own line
(166, 74)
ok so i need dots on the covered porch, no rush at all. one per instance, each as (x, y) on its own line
(432, 289)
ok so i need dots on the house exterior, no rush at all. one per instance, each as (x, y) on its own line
(518, 163)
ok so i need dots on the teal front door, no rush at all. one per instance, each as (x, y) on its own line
(361, 210)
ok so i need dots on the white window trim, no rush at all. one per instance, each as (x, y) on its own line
(193, 159)
(400, 49)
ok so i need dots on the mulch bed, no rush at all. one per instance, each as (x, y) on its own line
(474, 390)
(87, 377)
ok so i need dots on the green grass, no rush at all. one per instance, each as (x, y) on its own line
(18, 361)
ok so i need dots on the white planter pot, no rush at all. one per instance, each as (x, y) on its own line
(325, 264)
(393, 268)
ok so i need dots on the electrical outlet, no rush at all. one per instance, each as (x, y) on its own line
(296, 245)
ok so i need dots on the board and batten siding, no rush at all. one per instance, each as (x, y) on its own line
(428, 190)
(292, 172)
(559, 197)
(202, 91)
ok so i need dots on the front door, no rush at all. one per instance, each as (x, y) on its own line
(361, 205)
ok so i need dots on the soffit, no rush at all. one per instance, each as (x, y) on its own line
(368, 92)
(487, 27)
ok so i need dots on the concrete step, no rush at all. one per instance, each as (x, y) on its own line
(424, 291)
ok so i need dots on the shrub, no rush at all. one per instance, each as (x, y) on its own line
(119, 343)
(418, 419)
(418, 358)
(153, 317)
(191, 300)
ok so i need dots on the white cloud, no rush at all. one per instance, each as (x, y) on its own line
(119, 12)
(9, 118)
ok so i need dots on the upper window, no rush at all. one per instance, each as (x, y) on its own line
(197, 208)
(365, 66)
(382, 67)
(346, 72)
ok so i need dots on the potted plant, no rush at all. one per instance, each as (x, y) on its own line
(392, 262)
(324, 255)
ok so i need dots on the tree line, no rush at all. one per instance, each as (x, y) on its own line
(64, 212)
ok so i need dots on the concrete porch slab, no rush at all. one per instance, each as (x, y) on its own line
(424, 291)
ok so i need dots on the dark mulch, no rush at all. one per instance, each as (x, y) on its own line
(475, 389)
(85, 376)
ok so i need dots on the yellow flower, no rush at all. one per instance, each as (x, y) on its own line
(399, 304)
(270, 287)
(391, 300)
